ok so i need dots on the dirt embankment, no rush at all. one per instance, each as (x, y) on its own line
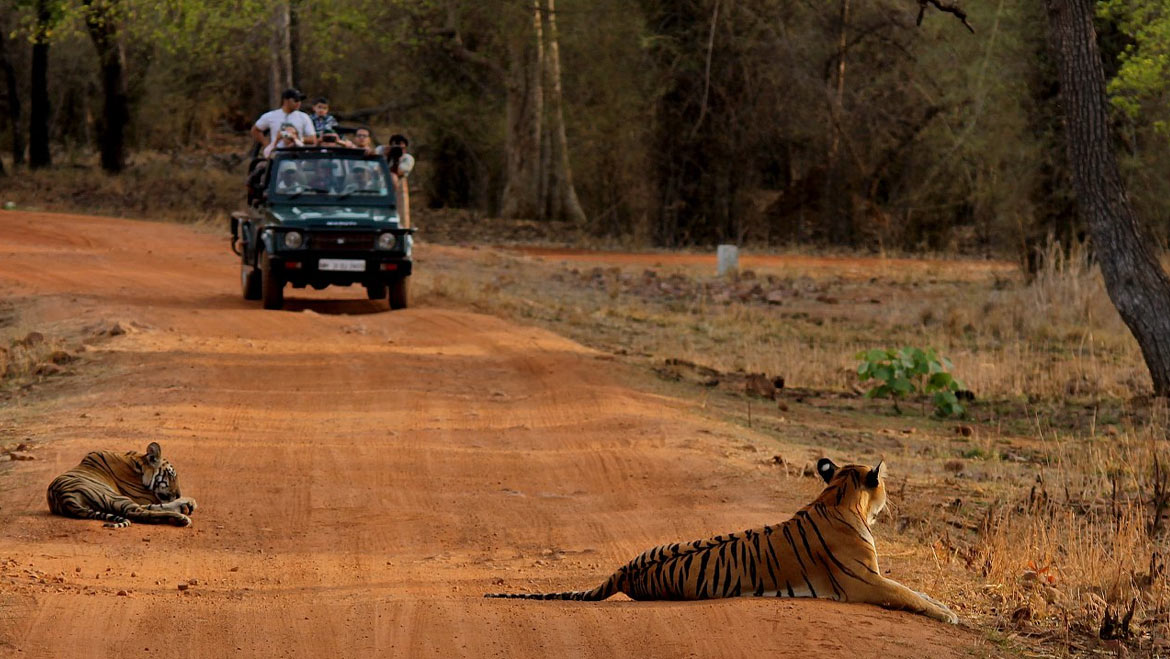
(363, 477)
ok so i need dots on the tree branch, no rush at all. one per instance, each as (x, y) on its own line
(949, 8)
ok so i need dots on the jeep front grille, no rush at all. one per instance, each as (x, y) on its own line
(343, 241)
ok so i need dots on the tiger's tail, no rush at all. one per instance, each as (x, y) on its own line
(611, 586)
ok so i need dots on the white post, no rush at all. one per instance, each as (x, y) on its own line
(728, 257)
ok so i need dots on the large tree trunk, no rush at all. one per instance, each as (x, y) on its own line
(12, 97)
(1135, 280)
(38, 129)
(102, 22)
(525, 100)
(563, 201)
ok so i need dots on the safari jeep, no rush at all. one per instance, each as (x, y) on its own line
(322, 217)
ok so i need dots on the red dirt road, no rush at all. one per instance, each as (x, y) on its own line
(363, 477)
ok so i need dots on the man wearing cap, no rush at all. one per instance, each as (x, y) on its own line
(288, 112)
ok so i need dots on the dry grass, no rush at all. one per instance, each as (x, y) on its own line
(179, 187)
(1055, 338)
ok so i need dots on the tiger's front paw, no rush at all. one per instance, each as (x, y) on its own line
(948, 616)
(180, 520)
(186, 505)
(944, 613)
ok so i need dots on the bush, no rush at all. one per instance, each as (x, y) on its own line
(905, 371)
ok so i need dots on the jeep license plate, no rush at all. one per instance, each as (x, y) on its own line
(342, 265)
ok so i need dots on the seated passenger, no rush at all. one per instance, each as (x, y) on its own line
(363, 181)
(289, 180)
(322, 180)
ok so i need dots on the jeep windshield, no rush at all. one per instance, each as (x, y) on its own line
(331, 179)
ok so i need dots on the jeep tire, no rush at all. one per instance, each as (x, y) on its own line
(399, 293)
(249, 281)
(271, 285)
(376, 291)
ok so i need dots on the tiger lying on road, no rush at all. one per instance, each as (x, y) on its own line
(825, 550)
(120, 487)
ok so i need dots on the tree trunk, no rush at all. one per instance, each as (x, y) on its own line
(12, 95)
(1135, 280)
(294, 42)
(102, 22)
(279, 53)
(525, 100)
(38, 129)
(563, 195)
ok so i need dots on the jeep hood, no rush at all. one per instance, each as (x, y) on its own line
(335, 216)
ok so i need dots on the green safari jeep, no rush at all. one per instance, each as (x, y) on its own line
(322, 216)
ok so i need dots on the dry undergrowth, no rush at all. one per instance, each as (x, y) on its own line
(1043, 521)
(180, 186)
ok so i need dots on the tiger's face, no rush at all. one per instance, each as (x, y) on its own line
(159, 475)
(857, 485)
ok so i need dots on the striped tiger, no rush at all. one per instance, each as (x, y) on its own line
(825, 550)
(120, 487)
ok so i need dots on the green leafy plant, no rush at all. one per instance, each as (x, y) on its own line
(900, 372)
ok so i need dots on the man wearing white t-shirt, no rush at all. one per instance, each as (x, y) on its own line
(288, 112)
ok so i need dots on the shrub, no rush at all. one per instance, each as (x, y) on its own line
(905, 371)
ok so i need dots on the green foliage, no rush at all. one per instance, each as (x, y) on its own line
(1143, 77)
(900, 372)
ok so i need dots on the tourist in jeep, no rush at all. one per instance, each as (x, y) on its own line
(289, 180)
(266, 130)
(361, 139)
(323, 122)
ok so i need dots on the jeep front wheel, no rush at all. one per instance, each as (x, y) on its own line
(271, 284)
(399, 293)
(249, 281)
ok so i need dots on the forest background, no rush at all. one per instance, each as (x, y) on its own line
(668, 123)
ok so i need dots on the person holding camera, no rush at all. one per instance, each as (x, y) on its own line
(288, 137)
(331, 138)
(288, 113)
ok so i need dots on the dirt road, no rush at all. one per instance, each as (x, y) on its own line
(363, 477)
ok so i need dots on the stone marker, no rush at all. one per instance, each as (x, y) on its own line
(728, 257)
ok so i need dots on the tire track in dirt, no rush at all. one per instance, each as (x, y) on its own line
(363, 477)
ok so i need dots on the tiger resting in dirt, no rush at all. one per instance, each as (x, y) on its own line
(122, 487)
(825, 550)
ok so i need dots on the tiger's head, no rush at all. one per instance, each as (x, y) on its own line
(159, 475)
(854, 486)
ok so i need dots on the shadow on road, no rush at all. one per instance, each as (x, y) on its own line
(337, 307)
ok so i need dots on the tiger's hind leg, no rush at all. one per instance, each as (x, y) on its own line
(77, 507)
(893, 595)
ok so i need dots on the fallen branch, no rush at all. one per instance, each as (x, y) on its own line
(944, 7)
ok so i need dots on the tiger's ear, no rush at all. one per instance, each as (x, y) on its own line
(826, 469)
(872, 478)
(154, 454)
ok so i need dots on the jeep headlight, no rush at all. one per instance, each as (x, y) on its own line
(386, 241)
(293, 239)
